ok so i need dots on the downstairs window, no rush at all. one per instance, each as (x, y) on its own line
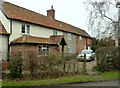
(43, 50)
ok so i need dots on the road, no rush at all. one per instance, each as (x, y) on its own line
(102, 83)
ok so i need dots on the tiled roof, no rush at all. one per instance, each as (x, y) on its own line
(32, 39)
(15, 12)
(2, 29)
(58, 39)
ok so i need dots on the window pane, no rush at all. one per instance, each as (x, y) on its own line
(28, 29)
(69, 36)
(39, 48)
(80, 37)
(55, 32)
(68, 48)
(47, 48)
(44, 46)
(44, 50)
(23, 28)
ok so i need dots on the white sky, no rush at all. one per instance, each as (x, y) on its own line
(69, 11)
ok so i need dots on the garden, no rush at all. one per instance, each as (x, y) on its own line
(58, 68)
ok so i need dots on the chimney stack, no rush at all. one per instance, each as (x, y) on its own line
(51, 12)
(1, 1)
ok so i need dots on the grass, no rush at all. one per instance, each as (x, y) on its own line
(63, 80)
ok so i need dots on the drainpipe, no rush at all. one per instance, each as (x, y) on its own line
(9, 38)
(86, 43)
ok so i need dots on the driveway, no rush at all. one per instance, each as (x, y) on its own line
(89, 65)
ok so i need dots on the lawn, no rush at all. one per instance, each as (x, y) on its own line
(63, 80)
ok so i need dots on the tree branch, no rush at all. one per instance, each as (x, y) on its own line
(106, 16)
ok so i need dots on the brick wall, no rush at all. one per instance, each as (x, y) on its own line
(24, 48)
(81, 44)
(53, 49)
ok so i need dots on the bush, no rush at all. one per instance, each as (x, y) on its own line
(33, 63)
(15, 65)
(52, 65)
(107, 59)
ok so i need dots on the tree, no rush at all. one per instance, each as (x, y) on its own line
(98, 43)
(102, 18)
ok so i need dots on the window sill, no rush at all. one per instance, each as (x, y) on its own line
(41, 55)
(69, 39)
(24, 34)
(69, 52)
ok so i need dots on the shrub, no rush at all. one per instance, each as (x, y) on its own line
(53, 60)
(107, 59)
(33, 63)
(15, 65)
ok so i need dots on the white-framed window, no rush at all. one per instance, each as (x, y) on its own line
(80, 37)
(43, 50)
(25, 29)
(28, 29)
(69, 36)
(54, 32)
(68, 49)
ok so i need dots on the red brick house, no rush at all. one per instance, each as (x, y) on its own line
(33, 31)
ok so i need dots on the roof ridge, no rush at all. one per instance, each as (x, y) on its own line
(24, 8)
(68, 24)
(36, 18)
(41, 14)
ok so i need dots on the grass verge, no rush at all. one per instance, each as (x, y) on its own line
(63, 80)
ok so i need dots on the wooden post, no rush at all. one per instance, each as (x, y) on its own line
(84, 65)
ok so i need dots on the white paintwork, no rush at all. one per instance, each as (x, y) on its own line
(5, 21)
(35, 30)
(39, 31)
(3, 47)
(88, 47)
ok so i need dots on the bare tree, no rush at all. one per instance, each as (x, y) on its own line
(102, 18)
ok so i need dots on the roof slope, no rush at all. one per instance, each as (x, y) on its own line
(32, 39)
(53, 40)
(59, 39)
(15, 12)
(2, 29)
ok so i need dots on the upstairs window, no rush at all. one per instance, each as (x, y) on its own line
(80, 37)
(25, 29)
(54, 32)
(28, 29)
(69, 36)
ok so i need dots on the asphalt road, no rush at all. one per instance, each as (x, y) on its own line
(102, 83)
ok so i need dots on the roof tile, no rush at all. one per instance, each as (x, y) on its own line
(2, 29)
(32, 39)
(19, 13)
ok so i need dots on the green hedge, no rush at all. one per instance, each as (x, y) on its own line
(107, 59)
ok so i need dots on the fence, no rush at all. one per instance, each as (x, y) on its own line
(51, 65)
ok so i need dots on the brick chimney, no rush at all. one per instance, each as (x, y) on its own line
(1, 1)
(51, 12)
